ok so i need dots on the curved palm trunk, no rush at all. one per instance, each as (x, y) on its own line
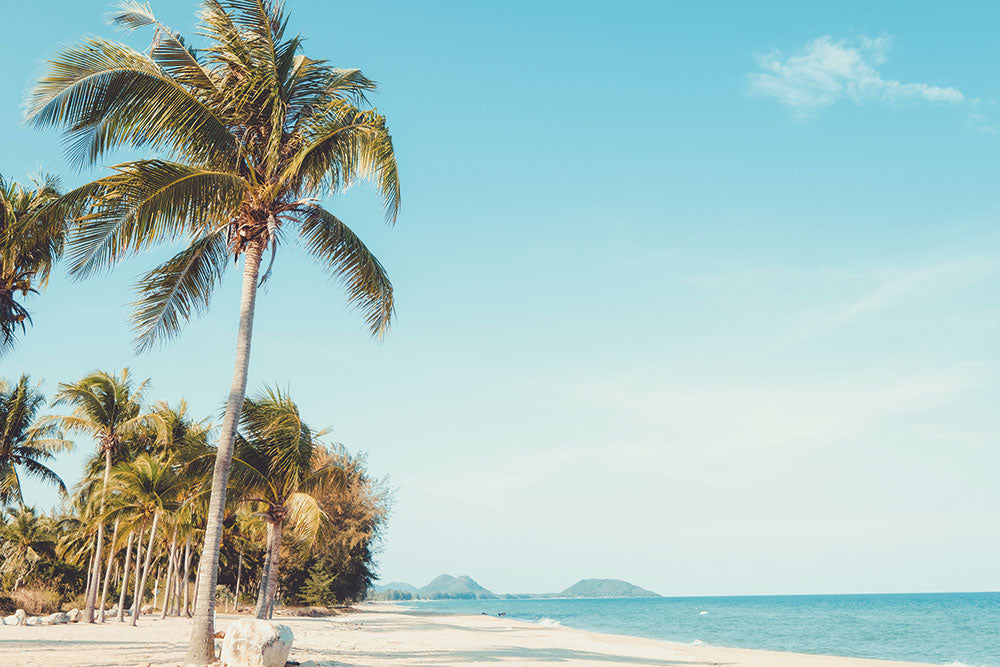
(201, 646)
(145, 569)
(121, 596)
(265, 573)
(88, 610)
(107, 572)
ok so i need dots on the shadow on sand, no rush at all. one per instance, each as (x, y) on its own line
(521, 655)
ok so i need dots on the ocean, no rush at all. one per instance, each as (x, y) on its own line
(958, 629)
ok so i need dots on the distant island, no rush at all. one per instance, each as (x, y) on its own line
(606, 588)
(447, 587)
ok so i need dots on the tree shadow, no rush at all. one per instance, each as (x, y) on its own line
(520, 654)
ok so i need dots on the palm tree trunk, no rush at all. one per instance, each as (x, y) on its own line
(197, 577)
(90, 577)
(167, 583)
(156, 584)
(121, 596)
(88, 610)
(138, 571)
(265, 572)
(274, 557)
(145, 567)
(107, 573)
(187, 572)
(239, 575)
(201, 646)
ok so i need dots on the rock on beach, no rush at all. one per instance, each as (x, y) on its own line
(256, 643)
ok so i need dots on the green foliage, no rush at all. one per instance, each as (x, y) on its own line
(31, 240)
(224, 595)
(249, 133)
(339, 576)
(26, 442)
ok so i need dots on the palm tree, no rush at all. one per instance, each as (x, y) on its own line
(31, 240)
(24, 540)
(108, 408)
(144, 490)
(248, 132)
(274, 468)
(25, 441)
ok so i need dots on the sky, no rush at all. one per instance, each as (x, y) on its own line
(703, 296)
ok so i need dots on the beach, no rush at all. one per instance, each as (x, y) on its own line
(380, 634)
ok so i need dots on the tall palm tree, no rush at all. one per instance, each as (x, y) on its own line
(108, 408)
(26, 442)
(274, 468)
(31, 240)
(248, 133)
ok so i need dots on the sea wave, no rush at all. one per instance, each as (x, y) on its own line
(548, 622)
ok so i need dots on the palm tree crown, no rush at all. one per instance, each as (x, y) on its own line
(251, 131)
(275, 468)
(31, 240)
(25, 441)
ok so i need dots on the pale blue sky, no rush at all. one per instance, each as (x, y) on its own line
(703, 296)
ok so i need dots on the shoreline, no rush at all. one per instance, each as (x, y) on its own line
(378, 635)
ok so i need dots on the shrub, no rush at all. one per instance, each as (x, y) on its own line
(7, 605)
(76, 602)
(37, 600)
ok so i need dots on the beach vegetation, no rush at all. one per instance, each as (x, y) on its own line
(32, 232)
(243, 137)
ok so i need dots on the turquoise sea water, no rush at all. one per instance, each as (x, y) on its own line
(939, 628)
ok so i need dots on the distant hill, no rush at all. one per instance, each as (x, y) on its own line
(606, 588)
(395, 586)
(447, 586)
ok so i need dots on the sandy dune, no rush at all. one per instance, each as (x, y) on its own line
(380, 635)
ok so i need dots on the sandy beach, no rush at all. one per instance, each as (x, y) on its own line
(383, 635)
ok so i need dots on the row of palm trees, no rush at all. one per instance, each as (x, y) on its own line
(146, 484)
(239, 139)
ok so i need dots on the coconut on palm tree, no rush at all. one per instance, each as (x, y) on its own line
(31, 240)
(274, 469)
(245, 135)
(108, 408)
(27, 443)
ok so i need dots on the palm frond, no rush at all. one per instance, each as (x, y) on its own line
(348, 259)
(108, 95)
(179, 288)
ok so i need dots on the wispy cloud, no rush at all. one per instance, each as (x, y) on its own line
(825, 71)
(892, 287)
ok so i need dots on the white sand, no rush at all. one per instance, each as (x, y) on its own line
(382, 635)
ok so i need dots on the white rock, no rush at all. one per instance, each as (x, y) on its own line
(19, 617)
(251, 642)
(58, 618)
(33, 620)
(74, 615)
